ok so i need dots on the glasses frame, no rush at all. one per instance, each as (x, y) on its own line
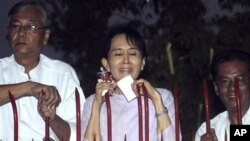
(29, 28)
(224, 82)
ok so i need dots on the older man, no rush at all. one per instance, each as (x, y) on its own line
(41, 86)
(228, 66)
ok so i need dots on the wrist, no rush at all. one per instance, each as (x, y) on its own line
(52, 119)
(164, 111)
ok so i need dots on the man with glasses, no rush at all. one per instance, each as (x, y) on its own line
(228, 66)
(42, 87)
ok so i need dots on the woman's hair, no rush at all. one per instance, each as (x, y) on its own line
(133, 37)
(228, 55)
(35, 4)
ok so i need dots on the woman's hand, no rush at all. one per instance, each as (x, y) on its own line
(102, 87)
(163, 120)
(153, 94)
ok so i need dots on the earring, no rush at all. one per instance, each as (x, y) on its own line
(142, 68)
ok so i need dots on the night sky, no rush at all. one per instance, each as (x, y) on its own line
(5, 5)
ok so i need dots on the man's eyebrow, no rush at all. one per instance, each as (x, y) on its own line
(14, 21)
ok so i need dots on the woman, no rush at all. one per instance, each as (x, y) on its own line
(124, 54)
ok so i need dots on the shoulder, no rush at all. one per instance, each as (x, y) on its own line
(91, 97)
(6, 61)
(55, 65)
(220, 118)
(89, 101)
(165, 93)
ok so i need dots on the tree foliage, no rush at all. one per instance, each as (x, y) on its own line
(79, 28)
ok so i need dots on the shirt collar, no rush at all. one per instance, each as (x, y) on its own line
(34, 73)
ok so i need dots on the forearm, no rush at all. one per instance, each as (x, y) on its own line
(93, 128)
(17, 90)
(163, 120)
(61, 128)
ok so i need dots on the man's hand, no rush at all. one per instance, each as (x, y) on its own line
(45, 110)
(48, 94)
(209, 136)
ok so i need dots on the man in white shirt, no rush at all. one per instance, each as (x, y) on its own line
(42, 87)
(228, 66)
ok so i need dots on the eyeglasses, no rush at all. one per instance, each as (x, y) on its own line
(27, 28)
(226, 82)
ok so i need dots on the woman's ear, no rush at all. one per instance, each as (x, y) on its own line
(105, 64)
(143, 64)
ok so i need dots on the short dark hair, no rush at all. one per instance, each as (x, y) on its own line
(228, 55)
(38, 5)
(132, 36)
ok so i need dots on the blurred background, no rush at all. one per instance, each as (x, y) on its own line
(181, 37)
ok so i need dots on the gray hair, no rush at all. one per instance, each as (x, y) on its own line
(38, 5)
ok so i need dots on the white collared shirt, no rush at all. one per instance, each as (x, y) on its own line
(49, 72)
(221, 124)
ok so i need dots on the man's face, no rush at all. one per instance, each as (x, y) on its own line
(224, 87)
(26, 33)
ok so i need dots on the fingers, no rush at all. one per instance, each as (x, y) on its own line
(151, 91)
(49, 94)
(51, 97)
(209, 136)
(102, 88)
(141, 82)
(44, 111)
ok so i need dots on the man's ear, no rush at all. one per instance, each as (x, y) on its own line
(105, 64)
(46, 36)
(143, 64)
(216, 89)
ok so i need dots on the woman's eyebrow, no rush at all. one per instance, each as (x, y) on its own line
(120, 48)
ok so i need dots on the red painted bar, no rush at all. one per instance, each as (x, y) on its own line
(161, 136)
(237, 92)
(105, 76)
(145, 92)
(109, 116)
(15, 116)
(78, 116)
(47, 138)
(47, 129)
(225, 135)
(139, 113)
(177, 118)
(193, 136)
(206, 100)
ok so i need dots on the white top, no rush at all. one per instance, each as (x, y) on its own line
(125, 118)
(30, 123)
(221, 124)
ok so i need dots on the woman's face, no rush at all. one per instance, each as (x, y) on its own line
(123, 59)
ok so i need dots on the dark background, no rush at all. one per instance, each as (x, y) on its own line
(195, 29)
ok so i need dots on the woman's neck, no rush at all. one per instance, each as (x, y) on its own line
(118, 91)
